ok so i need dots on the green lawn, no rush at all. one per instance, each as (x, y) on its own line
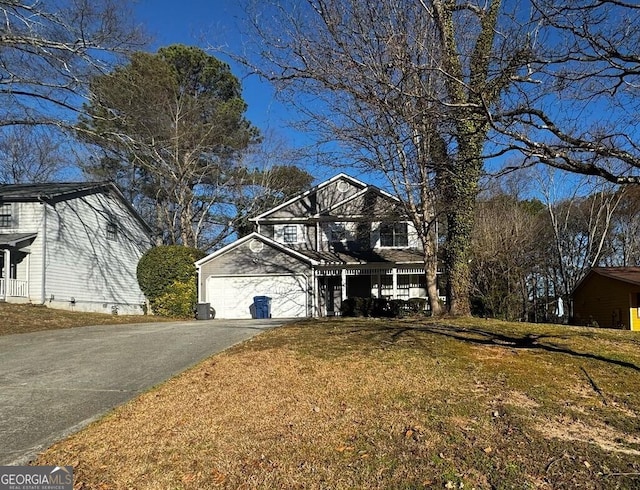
(359, 403)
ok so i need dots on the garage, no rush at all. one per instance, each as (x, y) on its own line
(232, 296)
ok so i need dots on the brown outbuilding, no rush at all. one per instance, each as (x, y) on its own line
(608, 297)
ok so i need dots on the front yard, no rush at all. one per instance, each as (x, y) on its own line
(382, 404)
(17, 318)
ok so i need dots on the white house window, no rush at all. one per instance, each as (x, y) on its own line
(394, 235)
(112, 231)
(290, 234)
(6, 220)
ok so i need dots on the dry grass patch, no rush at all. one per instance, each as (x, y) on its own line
(23, 318)
(381, 404)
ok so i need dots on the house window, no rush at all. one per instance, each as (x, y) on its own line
(290, 234)
(338, 233)
(394, 235)
(5, 216)
(112, 231)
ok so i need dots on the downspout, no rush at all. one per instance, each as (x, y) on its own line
(43, 290)
(200, 288)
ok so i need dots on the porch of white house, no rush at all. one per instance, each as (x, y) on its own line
(14, 271)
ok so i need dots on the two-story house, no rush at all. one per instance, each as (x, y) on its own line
(71, 246)
(341, 239)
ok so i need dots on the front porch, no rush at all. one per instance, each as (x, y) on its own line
(337, 284)
(15, 259)
(13, 288)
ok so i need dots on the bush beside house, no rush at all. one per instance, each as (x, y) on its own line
(167, 276)
(381, 307)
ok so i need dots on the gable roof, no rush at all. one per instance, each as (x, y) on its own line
(318, 187)
(369, 189)
(54, 192)
(263, 239)
(629, 275)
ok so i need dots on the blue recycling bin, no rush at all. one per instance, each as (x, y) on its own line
(262, 305)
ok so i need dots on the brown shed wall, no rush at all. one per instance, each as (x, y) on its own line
(606, 301)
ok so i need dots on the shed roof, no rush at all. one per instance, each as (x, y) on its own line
(629, 275)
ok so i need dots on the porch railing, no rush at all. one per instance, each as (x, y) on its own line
(13, 288)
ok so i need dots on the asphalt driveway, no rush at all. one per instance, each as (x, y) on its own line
(53, 383)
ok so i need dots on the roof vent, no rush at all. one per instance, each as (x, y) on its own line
(256, 246)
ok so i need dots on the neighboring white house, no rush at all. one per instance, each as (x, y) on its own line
(341, 239)
(71, 246)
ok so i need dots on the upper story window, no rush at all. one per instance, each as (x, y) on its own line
(394, 235)
(112, 231)
(290, 234)
(338, 233)
(6, 219)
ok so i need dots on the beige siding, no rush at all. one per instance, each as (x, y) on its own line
(307, 234)
(605, 301)
(316, 202)
(369, 205)
(249, 258)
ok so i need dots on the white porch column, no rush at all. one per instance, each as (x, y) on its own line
(394, 279)
(314, 293)
(3, 272)
(343, 276)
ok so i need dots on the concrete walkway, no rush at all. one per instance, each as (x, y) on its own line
(54, 383)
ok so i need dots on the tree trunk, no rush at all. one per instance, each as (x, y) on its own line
(461, 190)
(431, 275)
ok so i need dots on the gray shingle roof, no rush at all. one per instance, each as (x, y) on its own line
(54, 190)
(388, 255)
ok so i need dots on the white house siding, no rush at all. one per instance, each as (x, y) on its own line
(27, 218)
(85, 271)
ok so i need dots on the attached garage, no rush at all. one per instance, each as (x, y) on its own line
(230, 278)
(232, 296)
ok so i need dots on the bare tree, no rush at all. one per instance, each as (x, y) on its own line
(469, 80)
(506, 250)
(625, 230)
(48, 50)
(580, 225)
(374, 88)
(31, 154)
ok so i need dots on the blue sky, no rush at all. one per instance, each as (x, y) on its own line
(210, 23)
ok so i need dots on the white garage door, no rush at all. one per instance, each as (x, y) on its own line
(232, 296)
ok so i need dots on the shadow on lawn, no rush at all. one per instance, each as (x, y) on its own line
(488, 338)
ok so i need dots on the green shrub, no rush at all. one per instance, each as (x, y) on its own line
(373, 307)
(166, 275)
(417, 305)
(178, 300)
